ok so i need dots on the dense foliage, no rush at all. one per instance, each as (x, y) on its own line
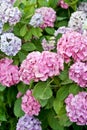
(43, 60)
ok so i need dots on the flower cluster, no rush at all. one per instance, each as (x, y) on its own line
(48, 45)
(36, 20)
(40, 66)
(62, 4)
(78, 73)
(29, 104)
(76, 107)
(44, 17)
(9, 74)
(62, 30)
(8, 13)
(73, 45)
(10, 44)
(83, 7)
(77, 20)
(27, 122)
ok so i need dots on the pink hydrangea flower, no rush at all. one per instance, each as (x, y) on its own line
(40, 66)
(78, 73)
(48, 16)
(76, 107)
(72, 44)
(30, 105)
(62, 4)
(9, 74)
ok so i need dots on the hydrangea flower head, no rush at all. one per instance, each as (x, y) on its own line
(77, 20)
(27, 122)
(9, 74)
(76, 107)
(40, 66)
(63, 5)
(78, 73)
(36, 20)
(44, 16)
(48, 45)
(72, 44)
(82, 7)
(10, 44)
(30, 105)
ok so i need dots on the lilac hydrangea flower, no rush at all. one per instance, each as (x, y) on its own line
(48, 45)
(27, 122)
(78, 73)
(82, 7)
(8, 13)
(10, 44)
(36, 20)
(76, 107)
(77, 20)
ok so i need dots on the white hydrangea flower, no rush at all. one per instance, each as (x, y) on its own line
(10, 44)
(77, 20)
(36, 20)
(82, 7)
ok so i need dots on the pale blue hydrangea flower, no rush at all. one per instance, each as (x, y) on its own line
(27, 122)
(36, 20)
(82, 7)
(10, 44)
(77, 20)
(1, 27)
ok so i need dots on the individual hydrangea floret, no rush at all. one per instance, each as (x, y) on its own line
(78, 73)
(76, 107)
(27, 122)
(48, 45)
(30, 105)
(62, 30)
(10, 44)
(63, 5)
(9, 74)
(73, 44)
(36, 20)
(48, 17)
(40, 66)
(77, 20)
(82, 7)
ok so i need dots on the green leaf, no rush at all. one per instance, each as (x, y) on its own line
(17, 108)
(6, 27)
(2, 88)
(28, 47)
(74, 89)
(53, 121)
(23, 30)
(62, 93)
(64, 121)
(22, 87)
(42, 91)
(21, 55)
(2, 114)
(64, 75)
(50, 30)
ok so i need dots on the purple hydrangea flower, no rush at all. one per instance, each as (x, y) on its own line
(76, 107)
(28, 123)
(10, 44)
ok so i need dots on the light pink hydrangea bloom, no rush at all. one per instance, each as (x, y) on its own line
(62, 4)
(30, 105)
(78, 73)
(9, 74)
(72, 44)
(49, 16)
(40, 66)
(76, 107)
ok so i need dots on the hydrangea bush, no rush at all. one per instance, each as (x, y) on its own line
(43, 60)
